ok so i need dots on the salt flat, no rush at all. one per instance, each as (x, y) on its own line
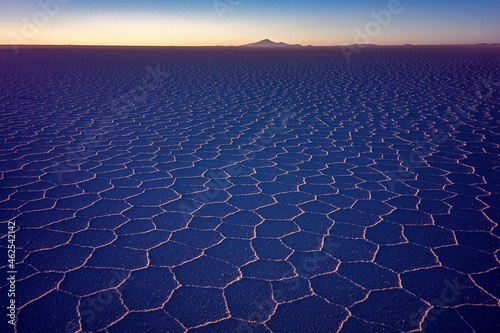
(237, 190)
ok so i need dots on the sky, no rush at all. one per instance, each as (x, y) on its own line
(237, 22)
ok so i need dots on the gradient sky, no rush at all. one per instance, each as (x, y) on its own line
(236, 22)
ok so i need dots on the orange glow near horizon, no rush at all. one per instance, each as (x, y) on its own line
(198, 30)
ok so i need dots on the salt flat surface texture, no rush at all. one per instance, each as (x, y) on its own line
(237, 190)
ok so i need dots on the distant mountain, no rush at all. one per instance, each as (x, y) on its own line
(363, 44)
(270, 43)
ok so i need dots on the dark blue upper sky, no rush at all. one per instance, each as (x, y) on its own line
(234, 22)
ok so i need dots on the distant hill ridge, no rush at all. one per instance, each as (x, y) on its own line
(270, 43)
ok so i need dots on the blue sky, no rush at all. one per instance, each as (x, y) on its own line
(235, 22)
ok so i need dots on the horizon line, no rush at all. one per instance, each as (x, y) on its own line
(251, 46)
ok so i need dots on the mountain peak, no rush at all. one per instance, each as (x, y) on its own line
(269, 43)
